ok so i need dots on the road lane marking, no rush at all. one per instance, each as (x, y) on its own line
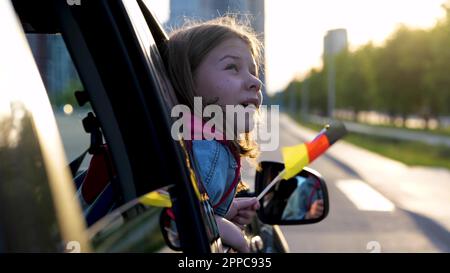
(363, 196)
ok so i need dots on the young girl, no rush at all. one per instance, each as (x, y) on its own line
(218, 61)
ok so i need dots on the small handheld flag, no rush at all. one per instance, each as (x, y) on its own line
(297, 157)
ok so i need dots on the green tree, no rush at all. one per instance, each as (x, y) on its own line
(356, 80)
(436, 77)
(317, 92)
(400, 66)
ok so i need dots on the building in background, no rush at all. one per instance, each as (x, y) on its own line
(251, 10)
(334, 42)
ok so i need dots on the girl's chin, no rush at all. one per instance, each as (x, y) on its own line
(243, 123)
(245, 126)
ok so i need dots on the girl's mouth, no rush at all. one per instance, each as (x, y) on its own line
(251, 102)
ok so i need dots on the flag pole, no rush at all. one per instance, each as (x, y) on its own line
(271, 184)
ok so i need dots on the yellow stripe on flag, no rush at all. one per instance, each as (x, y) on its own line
(295, 158)
(156, 199)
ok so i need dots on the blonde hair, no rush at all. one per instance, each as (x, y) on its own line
(189, 45)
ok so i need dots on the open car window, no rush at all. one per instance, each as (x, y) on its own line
(61, 80)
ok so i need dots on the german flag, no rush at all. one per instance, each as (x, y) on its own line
(298, 156)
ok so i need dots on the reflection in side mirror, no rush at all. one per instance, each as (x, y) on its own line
(303, 199)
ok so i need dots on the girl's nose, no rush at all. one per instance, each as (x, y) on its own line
(254, 83)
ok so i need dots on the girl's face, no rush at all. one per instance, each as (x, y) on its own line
(228, 76)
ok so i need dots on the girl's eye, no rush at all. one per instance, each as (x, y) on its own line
(232, 67)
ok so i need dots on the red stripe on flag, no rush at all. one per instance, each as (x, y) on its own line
(317, 147)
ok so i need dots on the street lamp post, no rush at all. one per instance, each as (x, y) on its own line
(305, 98)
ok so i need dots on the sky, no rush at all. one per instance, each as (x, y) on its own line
(295, 29)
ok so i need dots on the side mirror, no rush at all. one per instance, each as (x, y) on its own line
(303, 199)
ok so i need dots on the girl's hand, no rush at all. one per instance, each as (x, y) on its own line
(232, 235)
(242, 210)
(316, 210)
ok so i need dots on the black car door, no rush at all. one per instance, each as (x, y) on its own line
(126, 82)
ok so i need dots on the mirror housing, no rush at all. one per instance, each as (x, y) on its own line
(295, 201)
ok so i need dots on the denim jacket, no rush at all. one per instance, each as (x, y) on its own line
(299, 202)
(217, 169)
